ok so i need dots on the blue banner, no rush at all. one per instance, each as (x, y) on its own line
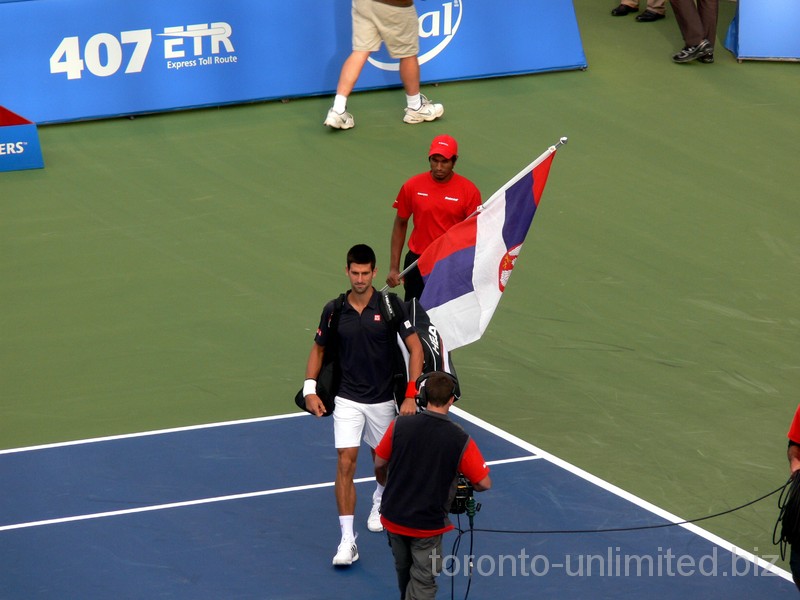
(765, 30)
(78, 59)
(19, 143)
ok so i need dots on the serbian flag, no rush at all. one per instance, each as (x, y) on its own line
(466, 270)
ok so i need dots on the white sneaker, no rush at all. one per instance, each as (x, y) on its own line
(374, 519)
(346, 553)
(339, 121)
(427, 112)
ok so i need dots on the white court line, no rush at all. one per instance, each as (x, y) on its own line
(154, 507)
(766, 565)
(141, 509)
(505, 461)
(126, 436)
(456, 411)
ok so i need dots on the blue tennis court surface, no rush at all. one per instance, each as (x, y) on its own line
(246, 510)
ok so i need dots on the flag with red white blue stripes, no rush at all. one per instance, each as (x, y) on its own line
(466, 270)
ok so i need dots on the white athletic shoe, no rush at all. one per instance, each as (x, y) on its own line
(427, 112)
(339, 121)
(374, 519)
(346, 553)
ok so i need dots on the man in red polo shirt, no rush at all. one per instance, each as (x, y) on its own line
(418, 460)
(436, 200)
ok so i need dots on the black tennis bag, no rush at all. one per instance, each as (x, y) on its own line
(436, 355)
(330, 375)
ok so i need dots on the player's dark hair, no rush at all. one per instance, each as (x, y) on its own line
(361, 254)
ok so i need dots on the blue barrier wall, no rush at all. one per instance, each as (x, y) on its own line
(78, 59)
(765, 30)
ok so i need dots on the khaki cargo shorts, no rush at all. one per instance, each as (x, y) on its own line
(375, 22)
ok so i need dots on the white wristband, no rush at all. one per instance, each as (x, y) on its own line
(309, 387)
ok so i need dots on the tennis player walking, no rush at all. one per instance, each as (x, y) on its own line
(364, 403)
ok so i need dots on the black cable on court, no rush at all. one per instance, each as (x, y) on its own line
(456, 544)
(789, 515)
(788, 521)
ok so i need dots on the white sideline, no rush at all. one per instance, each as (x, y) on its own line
(766, 565)
(125, 436)
(154, 507)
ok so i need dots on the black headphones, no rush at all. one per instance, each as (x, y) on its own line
(422, 395)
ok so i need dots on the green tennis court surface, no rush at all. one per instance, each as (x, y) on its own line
(170, 270)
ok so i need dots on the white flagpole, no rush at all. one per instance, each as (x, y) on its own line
(520, 175)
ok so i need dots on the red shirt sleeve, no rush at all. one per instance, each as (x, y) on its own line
(472, 464)
(794, 430)
(474, 201)
(403, 203)
(384, 448)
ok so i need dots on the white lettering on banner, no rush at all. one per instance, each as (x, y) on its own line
(182, 64)
(12, 148)
(67, 57)
(439, 26)
(435, 21)
(103, 54)
(113, 52)
(219, 34)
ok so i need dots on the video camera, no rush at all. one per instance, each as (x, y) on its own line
(463, 501)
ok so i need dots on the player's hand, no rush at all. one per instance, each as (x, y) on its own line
(393, 279)
(408, 407)
(314, 405)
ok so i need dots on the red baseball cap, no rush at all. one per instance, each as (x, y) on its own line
(444, 145)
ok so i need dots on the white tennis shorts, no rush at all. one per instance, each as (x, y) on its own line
(351, 420)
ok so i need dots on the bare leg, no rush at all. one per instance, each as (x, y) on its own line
(351, 69)
(344, 488)
(409, 74)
